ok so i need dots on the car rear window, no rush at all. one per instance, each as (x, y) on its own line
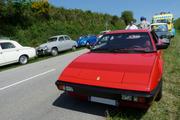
(7, 45)
(125, 41)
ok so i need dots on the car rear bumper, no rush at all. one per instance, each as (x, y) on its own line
(40, 52)
(122, 96)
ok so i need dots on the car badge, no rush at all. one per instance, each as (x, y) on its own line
(98, 78)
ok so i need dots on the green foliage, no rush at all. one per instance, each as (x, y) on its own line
(31, 23)
(177, 24)
(127, 16)
(40, 8)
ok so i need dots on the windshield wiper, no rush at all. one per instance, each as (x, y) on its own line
(144, 51)
(119, 51)
(130, 51)
(99, 50)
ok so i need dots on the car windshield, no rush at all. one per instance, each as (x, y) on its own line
(124, 43)
(162, 21)
(160, 28)
(52, 39)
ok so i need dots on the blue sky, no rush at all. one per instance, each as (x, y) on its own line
(140, 8)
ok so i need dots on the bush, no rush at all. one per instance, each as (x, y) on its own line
(39, 21)
(177, 24)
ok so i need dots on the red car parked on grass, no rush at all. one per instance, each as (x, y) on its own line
(124, 67)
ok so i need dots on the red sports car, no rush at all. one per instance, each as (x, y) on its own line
(124, 67)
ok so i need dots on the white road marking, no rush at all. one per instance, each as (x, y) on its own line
(25, 80)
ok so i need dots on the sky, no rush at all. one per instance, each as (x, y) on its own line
(140, 8)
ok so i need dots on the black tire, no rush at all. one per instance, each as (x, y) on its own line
(54, 52)
(23, 59)
(73, 48)
(159, 95)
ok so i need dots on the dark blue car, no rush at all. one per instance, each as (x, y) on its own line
(88, 40)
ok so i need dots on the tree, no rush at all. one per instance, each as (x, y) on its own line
(127, 16)
(2, 4)
(177, 24)
(114, 20)
(41, 8)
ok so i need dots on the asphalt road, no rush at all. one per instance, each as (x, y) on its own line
(29, 93)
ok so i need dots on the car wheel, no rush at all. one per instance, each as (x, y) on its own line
(23, 60)
(87, 44)
(159, 95)
(73, 48)
(54, 52)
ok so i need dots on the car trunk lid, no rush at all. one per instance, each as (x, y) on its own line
(121, 71)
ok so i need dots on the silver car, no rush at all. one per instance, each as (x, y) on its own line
(56, 44)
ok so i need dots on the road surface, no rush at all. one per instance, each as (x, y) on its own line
(29, 93)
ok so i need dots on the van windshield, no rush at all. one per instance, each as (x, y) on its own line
(160, 28)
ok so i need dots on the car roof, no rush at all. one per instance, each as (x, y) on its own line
(128, 31)
(3, 40)
(159, 24)
(105, 31)
(58, 36)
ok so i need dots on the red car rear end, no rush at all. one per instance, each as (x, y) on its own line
(123, 68)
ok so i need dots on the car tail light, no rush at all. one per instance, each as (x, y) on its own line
(133, 98)
(61, 87)
(126, 97)
(141, 99)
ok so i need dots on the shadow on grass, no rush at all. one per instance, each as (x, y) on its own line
(71, 103)
(127, 113)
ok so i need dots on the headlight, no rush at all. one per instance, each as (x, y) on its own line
(37, 48)
(45, 48)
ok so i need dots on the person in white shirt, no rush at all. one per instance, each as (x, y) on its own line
(131, 26)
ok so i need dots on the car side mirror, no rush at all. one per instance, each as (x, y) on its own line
(161, 37)
(164, 41)
(161, 46)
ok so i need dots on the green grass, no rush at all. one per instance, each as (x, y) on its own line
(168, 108)
(10, 66)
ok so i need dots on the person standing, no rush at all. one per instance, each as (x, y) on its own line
(131, 26)
(144, 23)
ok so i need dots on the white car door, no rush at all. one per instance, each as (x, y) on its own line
(61, 43)
(1, 57)
(10, 52)
(68, 42)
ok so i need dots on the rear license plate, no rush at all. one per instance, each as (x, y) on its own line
(103, 100)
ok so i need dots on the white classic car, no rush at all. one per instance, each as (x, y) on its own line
(13, 52)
